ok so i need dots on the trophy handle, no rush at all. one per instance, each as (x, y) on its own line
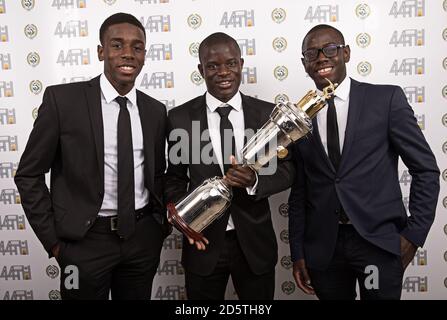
(178, 222)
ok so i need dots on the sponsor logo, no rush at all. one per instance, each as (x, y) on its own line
(288, 287)
(281, 98)
(284, 209)
(279, 15)
(364, 68)
(279, 44)
(194, 20)
(363, 40)
(286, 262)
(52, 271)
(281, 73)
(362, 11)
(30, 31)
(33, 59)
(194, 49)
(196, 78)
(35, 86)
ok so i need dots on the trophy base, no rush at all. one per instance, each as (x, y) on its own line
(181, 225)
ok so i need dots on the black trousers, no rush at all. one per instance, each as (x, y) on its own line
(352, 256)
(248, 286)
(106, 263)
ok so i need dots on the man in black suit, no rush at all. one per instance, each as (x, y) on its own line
(242, 243)
(104, 142)
(347, 221)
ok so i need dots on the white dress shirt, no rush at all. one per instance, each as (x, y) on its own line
(110, 111)
(236, 118)
(341, 102)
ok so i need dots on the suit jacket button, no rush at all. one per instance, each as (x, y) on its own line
(87, 223)
(337, 180)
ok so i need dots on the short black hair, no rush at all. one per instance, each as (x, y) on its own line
(118, 18)
(322, 27)
(217, 38)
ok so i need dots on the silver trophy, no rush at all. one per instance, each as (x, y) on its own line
(287, 124)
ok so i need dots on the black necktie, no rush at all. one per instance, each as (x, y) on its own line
(333, 141)
(226, 135)
(126, 185)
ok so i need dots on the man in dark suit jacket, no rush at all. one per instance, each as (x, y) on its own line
(104, 142)
(347, 221)
(242, 243)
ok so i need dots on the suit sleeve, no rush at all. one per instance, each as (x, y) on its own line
(37, 159)
(408, 140)
(297, 209)
(176, 178)
(160, 156)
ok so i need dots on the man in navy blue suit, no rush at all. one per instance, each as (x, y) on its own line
(347, 221)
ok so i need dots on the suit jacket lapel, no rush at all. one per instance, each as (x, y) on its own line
(93, 95)
(318, 144)
(252, 118)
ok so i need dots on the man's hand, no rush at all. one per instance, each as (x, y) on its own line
(199, 244)
(55, 250)
(239, 176)
(301, 276)
(407, 251)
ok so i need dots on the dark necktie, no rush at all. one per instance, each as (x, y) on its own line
(333, 141)
(126, 185)
(226, 135)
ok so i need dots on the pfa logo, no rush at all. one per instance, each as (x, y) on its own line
(408, 8)
(415, 94)
(284, 236)
(444, 5)
(444, 34)
(362, 11)
(69, 4)
(444, 92)
(54, 295)
(444, 202)
(444, 119)
(33, 59)
(35, 86)
(279, 15)
(249, 75)
(247, 46)
(28, 4)
(30, 31)
(110, 2)
(284, 209)
(279, 44)
(196, 78)
(158, 80)
(444, 63)
(238, 19)
(159, 51)
(194, 20)
(280, 73)
(322, 13)
(157, 23)
(286, 262)
(444, 147)
(408, 37)
(4, 34)
(408, 66)
(73, 28)
(364, 68)
(281, 98)
(288, 287)
(52, 271)
(194, 49)
(5, 61)
(444, 175)
(363, 40)
(34, 113)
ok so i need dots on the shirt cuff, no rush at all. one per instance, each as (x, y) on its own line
(252, 190)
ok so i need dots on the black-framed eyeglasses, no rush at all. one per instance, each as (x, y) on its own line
(329, 51)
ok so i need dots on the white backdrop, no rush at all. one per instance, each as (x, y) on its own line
(47, 42)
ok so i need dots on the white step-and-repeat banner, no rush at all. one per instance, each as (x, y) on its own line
(45, 42)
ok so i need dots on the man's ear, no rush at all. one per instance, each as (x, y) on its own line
(100, 51)
(200, 67)
(347, 53)
(242, 63)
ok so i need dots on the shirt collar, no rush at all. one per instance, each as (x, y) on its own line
(343, 89)
(213, 103)
(110, 93)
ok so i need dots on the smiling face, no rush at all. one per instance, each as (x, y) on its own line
(123, 52)
(221, 67)
(332, 68)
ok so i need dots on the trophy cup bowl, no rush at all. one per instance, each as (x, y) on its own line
(287, 124)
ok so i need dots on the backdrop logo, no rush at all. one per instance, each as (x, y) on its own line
(444, 202)
(74, 57)
(362, 11)
(54, 295)
(14, 247)
(322, 13)
(279, 15)
(4, 34)
(66, 4)
(421, 120)
(284, 209)
(288, 287)
(8, 169)
(238, 18)
(415, 284)
(249, 75)
(444, 5)
(444, 175)
(408, 37)
(194, 49)
(12, 222)
(196, 78)
(171, 292)
(34, 113)
(280, 73)
(30, 31)
(109, 2)
(286, 262)
(28, 4)
(279, 44)
(444, 147)
(170, 268)
(444, 119)
(194, 21)
(6, 89)
(19, 295)
(152, 1)
(444, 63)
(174, 241)
(405, 178)
(408, 8)
(281, 98)
(444, 91)
(158, 23)
(363, 40)
(75, 79)
(364, 68)
(415, 94)
(284, 236)
(420, 258)
(168, 103)
(73, 28)
(2, 6)
(16, 272)
(33, 59)
(9, 196)
(445, 229)
(7, 116)
(159, 51)
(247, 46)
(5, 61)
(8, 143)
(444, 34)
(408, 66)
(445, 256)
(158, 80)
(52, 271)
(35, 86)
